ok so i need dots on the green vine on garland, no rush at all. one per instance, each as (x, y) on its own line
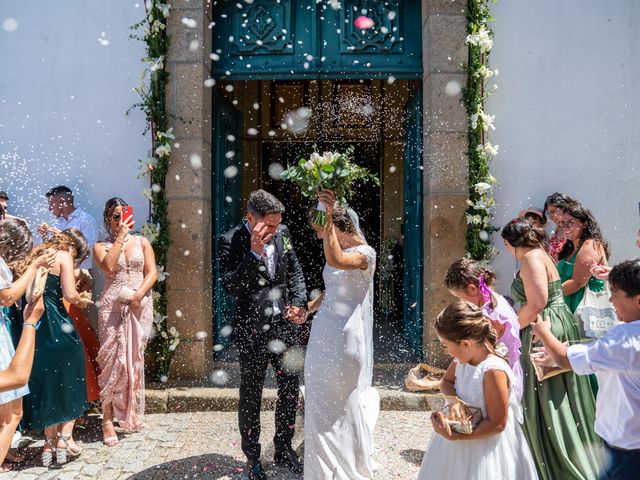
(481, 151)
(152, 90)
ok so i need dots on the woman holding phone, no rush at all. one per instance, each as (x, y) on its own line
(125, 318)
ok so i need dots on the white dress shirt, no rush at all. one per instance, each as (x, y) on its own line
(269, 259)
(615, 359)
(87, 225)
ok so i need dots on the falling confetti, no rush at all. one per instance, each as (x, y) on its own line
(9, 25)
(219, 377)
(276, 346)
(230, 172)
(363, 23)
(453, 88)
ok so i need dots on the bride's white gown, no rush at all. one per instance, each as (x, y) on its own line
(341, 406)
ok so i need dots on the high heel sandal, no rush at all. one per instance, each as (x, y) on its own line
(63, 453)
(111, 440)
(47, 457)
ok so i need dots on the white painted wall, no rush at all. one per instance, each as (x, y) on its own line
(63, 98)
(568, 113)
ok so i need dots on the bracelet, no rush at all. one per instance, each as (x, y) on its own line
(36, 326)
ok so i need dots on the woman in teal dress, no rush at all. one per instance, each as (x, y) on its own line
(584, 246)
(57, 384)
(559, 412)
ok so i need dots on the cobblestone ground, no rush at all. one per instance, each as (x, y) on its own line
(205, 445)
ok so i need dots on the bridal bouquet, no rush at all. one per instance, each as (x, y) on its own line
(331, 170)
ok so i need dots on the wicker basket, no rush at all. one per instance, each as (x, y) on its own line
(423, 378)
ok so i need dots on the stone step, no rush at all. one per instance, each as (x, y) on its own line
(175, 397)
(203, 399)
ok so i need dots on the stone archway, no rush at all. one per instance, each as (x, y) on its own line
(189, 191)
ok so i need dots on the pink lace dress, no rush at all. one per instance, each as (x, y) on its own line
(123, 336)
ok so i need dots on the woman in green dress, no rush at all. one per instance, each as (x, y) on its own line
(57, 384)
(583, 247)
(559, 412)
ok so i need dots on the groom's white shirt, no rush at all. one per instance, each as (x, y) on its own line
(268, 257)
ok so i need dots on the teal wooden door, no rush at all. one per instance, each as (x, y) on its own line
(226, 185)
(310, 39)
(412, 226)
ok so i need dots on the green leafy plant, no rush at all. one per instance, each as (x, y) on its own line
(481, 203)
(153, 82)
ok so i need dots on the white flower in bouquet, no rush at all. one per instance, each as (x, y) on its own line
(309, 165)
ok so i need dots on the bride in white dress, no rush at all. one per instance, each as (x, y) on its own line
(341, 406)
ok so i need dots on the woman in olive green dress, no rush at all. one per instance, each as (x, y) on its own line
(584, 246)
(57, 383)
(559, 412)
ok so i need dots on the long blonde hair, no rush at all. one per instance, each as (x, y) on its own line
(58, 242)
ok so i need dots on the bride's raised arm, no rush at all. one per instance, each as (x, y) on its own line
(336, 257)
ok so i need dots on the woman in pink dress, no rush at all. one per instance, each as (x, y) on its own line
(124, 324)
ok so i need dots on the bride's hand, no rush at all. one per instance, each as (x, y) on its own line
(328, 199)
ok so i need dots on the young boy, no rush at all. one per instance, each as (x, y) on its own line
(615, 359)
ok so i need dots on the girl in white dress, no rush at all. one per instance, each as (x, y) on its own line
(497, 448)
(341, 406)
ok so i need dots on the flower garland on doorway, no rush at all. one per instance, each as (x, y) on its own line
(152, 90)
(481, 202)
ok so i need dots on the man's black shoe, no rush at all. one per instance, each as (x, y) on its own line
(256, 472)
(288, 458)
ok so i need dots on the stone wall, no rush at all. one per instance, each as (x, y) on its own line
(445, 155)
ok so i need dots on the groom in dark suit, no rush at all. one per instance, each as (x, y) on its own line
(260, 269)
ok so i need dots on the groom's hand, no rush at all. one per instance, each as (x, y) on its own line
(260, 236)
(297, 315)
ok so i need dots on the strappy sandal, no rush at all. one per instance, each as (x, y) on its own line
(66, 451)
(111, 440)
(47, 457)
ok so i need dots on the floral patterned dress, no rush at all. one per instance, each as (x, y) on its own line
(124, 333)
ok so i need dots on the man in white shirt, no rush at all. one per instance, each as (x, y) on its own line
(69, 216)
(615, 360)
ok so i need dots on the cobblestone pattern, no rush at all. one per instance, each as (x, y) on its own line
(205, 445)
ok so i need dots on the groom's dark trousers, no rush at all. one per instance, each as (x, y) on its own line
(261, 335)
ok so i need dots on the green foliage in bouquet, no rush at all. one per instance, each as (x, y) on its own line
(331, 170)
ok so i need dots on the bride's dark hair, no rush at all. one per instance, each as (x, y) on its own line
(341, 219)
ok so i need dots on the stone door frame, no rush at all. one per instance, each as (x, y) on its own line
(189, 192)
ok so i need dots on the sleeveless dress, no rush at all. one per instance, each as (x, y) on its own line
(341, 406)
(123, 334)
(565, 269)
(7, 350)
(505, 455)
(559, 413)
(57, 382)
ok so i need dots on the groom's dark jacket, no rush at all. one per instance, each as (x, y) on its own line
(245, 277)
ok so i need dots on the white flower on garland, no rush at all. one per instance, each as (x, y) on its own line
(481, 39)
(148, 194)
(163, 150)
(151, 231)
(484, 118)
(482, 187)
(488, 149)
(162, 275)
(486, 73)
(158, 319)
(164, 8)
(166, 135)
(473, 219)
(156, 64)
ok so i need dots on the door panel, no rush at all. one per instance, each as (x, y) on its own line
(412, 227)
